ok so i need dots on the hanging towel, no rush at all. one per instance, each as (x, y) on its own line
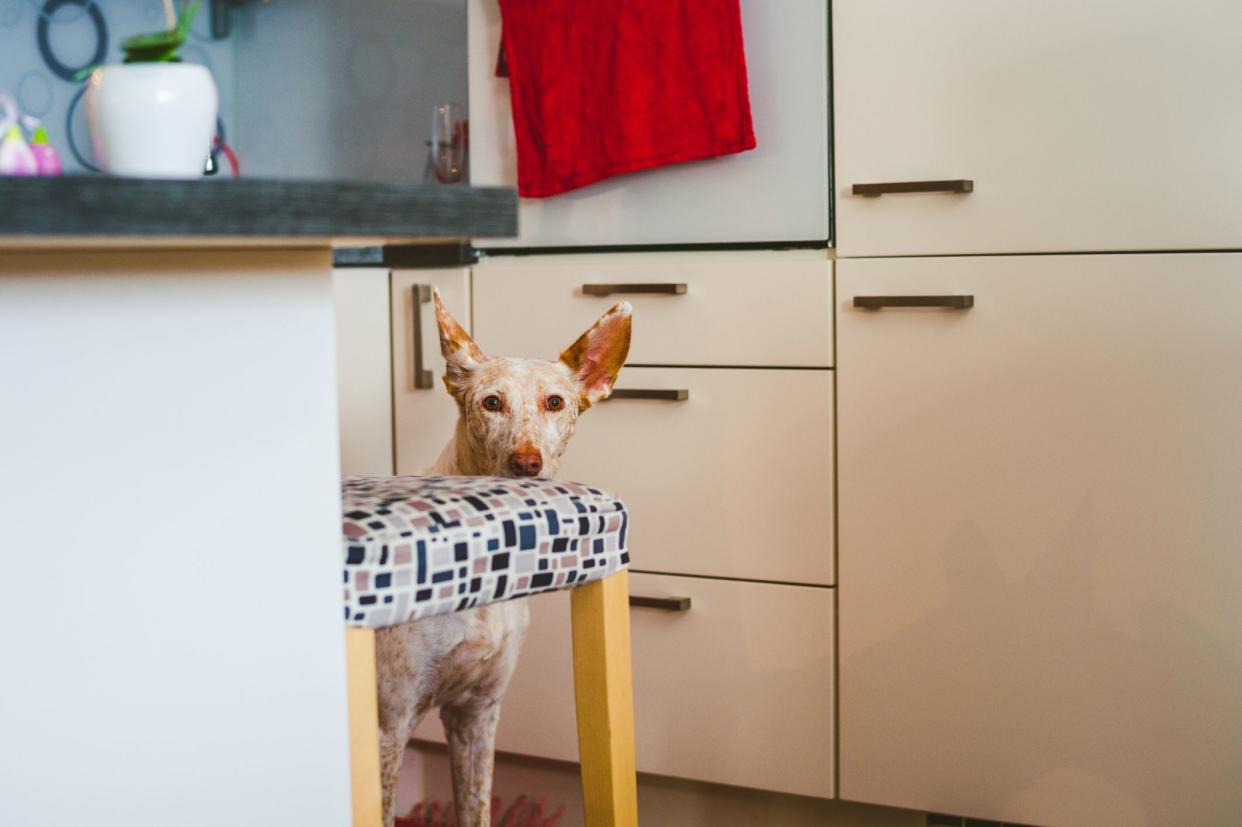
(604, 87)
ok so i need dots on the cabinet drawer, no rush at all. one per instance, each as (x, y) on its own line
(738, 689)
(737, 309)
(1074, 137)
(734, 481)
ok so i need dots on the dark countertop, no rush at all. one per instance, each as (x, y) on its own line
(84, 210)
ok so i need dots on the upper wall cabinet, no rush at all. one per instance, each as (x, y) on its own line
(1110, 125)
(776, 192)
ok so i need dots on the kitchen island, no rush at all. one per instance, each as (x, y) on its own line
(172, 621)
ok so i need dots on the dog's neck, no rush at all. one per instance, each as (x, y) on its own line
(458, 457)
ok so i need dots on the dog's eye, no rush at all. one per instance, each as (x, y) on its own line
(492, 403)
(555, 403)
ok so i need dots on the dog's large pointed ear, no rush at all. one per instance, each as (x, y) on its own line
(596, 358)
(461, 354)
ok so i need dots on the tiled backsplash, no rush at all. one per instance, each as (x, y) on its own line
(308, 88)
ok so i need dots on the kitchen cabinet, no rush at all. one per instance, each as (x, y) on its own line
(1104, 126)
(1039, 538)
(736, 688)
(172, 640)
(776, 192)
(730, 490)
(734, 480)
(363, 369)
(396, 416)
(690, 308)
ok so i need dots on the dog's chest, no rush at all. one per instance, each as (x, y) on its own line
(468, 657)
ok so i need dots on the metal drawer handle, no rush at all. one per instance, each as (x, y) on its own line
(668, 604)
(958, 185)
(423, 378)
(679, 395)
(667, 289)
(951, 302)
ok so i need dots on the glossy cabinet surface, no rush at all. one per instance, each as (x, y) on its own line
(775, 192)
(1039, 538)
(733, 481)
(736, 308)
(730, 486)
(735, 690)
(364, 369)
(1100, 126)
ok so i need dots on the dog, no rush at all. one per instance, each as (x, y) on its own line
(515, 419)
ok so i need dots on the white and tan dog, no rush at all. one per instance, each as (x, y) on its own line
(516, 417)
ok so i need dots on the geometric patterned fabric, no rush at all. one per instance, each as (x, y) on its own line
(421, 546)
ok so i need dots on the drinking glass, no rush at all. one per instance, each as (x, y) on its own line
(450, 137)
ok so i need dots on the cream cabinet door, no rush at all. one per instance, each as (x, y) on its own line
(424, 414)
(1040, 543)
(363, 369)
(736, 689)
(1084, 126)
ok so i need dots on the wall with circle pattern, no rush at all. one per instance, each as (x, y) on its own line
(308, 88)
(43, 42)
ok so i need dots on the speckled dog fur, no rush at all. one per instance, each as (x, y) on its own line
(516, 417)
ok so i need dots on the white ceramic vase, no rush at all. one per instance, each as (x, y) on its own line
(152, 120)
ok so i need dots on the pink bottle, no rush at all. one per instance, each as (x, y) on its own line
(46, 159)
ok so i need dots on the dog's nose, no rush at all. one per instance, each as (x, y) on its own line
(526, 463)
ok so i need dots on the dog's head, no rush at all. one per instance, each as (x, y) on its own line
(517, 415)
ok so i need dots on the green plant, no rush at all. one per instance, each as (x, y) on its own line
(162, 46)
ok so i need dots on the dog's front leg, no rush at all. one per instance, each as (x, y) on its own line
(402, 705)
(471, 732)
(392, 750)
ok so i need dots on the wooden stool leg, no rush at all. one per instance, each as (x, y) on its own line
(364, 747)
(604, 697)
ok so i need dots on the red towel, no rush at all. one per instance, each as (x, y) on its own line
(603, 87)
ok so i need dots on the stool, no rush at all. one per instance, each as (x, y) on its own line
(421, 546)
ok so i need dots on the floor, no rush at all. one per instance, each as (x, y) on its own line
(661, 801)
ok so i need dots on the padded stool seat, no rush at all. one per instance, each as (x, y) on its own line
(420, 546)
